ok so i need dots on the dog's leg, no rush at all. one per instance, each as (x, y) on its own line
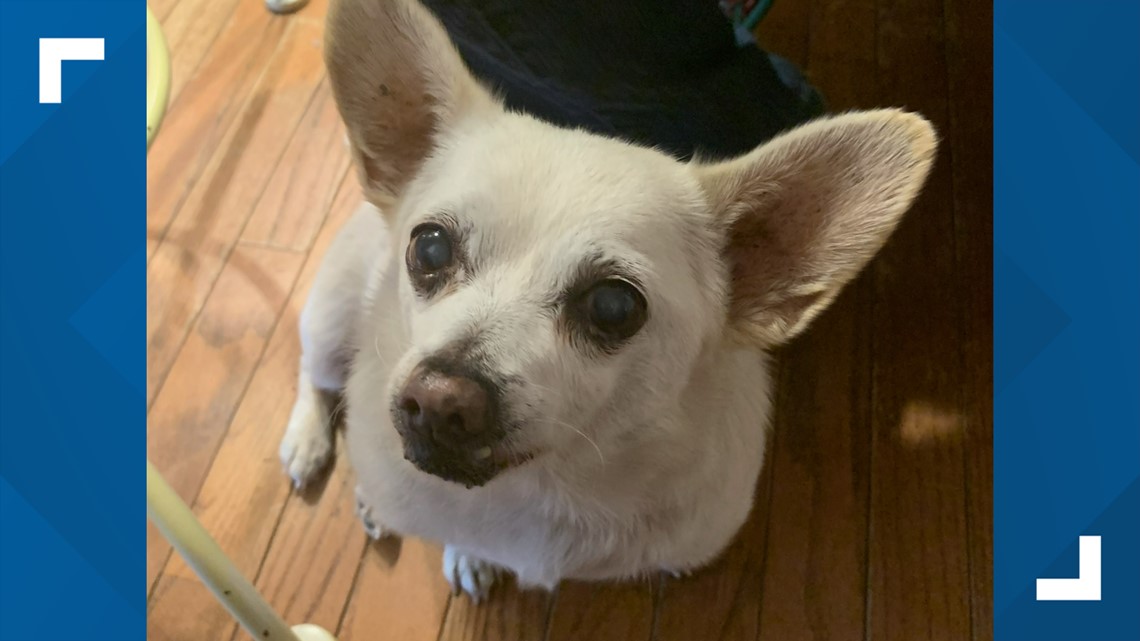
(326, 336)
(469, 574)
(308, 442)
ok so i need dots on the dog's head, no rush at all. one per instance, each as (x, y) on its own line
(559, 288)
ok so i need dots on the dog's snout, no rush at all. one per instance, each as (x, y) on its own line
(448, 418)
(446, 409)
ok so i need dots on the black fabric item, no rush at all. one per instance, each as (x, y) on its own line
(663, 73)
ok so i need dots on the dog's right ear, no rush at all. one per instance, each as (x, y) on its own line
(399, 84)
(805, 212)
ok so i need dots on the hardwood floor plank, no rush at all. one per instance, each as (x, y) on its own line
(313, 12)
(207, 382)
(843, 54)
(815, 577)
(309, 569)
(317, 548)
(245, 489)
(186, 264)
(509, 614)
(195, 620)
(603, 611)
(306, 180)
(202, 114)
(191, 28)
(400, 593)
(918, 561)
(162, 8)
(970, 57)
(786, 31)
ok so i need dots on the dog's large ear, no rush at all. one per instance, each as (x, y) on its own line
(805, 212)
(399, 84)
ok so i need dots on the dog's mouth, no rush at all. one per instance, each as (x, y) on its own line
(470, 465)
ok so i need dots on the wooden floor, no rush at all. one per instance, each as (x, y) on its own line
(873, 518)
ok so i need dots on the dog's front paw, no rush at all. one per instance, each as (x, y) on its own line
(304, 457)
(308, 443)
(372, 528)
(466, 573)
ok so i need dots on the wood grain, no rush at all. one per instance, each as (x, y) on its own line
(186, 264)
(918, 561)
(162, 8)
(815, 578)
(245, 490)
(207, 381)
(970, 58)
(305, 181)
(200, 117)
(309, 568)
(786, 31)
(400, 593)
(191, 28)
(509, 614)
(603, 611)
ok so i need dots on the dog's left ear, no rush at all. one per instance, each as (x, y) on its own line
(805, 212)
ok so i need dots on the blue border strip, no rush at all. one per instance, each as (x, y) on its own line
(1066, 313)
(72, 326)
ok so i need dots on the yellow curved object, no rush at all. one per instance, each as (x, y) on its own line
(157, 76)
(177, 523)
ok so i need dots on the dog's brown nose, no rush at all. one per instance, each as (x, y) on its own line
(444, 408)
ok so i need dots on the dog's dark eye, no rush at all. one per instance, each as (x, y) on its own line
(430, 250)
(615, 308)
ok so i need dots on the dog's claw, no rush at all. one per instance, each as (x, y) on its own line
(364, 513)
(374, 532)
(468, 574)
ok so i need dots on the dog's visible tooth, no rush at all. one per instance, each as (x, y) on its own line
(482, 453)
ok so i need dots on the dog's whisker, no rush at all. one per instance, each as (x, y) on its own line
(340, 405)
(540, 387)
(376, 348)
(579, 432)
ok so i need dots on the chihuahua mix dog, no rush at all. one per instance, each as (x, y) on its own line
(550, 343)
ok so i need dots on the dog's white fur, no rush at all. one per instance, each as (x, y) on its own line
(646, 458)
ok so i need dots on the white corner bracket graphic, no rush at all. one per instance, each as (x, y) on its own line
(53, 51)
(1086, 587)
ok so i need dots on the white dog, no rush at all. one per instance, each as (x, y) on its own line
(550, 343)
